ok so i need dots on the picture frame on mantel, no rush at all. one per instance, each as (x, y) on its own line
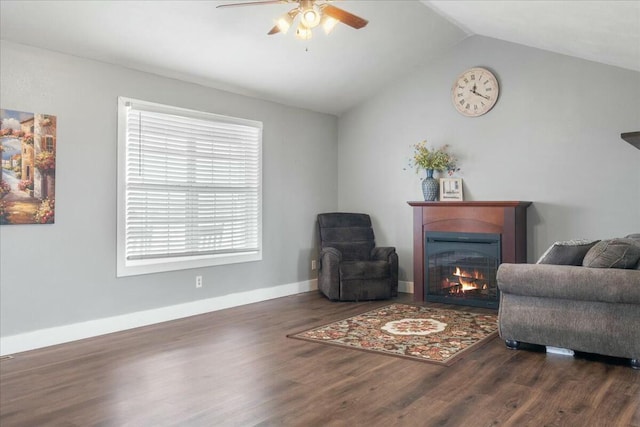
(451, 189)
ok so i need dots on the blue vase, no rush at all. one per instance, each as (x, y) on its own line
(430, 187)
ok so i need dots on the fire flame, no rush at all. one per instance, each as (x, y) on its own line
(469, 280)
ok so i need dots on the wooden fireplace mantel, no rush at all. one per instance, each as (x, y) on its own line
(507, 218)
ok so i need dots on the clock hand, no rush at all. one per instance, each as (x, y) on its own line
(479, 94)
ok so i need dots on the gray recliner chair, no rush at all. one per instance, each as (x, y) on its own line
(351, 267)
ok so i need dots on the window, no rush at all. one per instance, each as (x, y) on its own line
(189, 188)
(48, 141)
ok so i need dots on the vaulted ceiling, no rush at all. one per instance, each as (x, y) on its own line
(229, 48)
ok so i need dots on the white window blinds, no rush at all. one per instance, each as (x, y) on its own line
(192, 186)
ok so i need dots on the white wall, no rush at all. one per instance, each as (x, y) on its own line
(553, 138)
(61, 274)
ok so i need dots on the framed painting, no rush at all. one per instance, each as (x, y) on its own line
(28, 153)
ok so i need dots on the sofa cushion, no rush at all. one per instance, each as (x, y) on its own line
(357, 251)
(570, 252)
(613, 253)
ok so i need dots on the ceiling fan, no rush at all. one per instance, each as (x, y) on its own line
(312, 13)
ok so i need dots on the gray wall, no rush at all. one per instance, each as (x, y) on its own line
(553, 138)
(52, 275)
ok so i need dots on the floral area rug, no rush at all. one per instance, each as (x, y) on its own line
(420, 333)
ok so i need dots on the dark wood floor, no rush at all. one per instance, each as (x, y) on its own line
(236, 367)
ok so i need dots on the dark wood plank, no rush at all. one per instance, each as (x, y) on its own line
(236, 367)
(418, 255)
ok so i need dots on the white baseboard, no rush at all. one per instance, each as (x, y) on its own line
(406, 287)
(92, 328)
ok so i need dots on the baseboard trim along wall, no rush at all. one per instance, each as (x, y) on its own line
(93, 328)
(406, 287)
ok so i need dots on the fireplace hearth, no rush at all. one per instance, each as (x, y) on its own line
(461, 268)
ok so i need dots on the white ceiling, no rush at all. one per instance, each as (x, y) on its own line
(601, 31)
(229, 48)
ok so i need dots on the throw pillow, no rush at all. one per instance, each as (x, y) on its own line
(570, 252)
(613, 253)
(634, 236)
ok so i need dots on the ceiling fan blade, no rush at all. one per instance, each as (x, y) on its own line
(252, 3)
(345, 17)
(274, 30)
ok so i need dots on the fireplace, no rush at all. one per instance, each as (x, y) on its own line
(461, 268)
(486, 235)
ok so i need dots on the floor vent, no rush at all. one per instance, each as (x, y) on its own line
(7, 357)
(559, 350)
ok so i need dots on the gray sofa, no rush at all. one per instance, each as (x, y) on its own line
(582, 308)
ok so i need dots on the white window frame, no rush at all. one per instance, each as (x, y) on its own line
(130, 267)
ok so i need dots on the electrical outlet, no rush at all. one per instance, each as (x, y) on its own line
(314, 264)
(198, 281)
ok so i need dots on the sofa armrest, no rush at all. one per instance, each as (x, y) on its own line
(382, 253)
(569, 282)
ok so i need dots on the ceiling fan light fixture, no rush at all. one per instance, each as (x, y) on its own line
(328, 23)
(303, 33)
(284, 22)
(310, 14)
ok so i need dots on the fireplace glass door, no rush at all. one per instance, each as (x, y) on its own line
(461, 268)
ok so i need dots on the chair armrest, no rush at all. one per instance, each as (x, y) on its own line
(382, 253)
(330, 255)
(388, 254)
(329, 272)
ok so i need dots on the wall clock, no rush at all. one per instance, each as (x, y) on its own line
(475, 92)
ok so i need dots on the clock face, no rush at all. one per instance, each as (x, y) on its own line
(475, 92)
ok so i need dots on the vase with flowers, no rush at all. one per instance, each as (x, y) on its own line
(432, 160)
